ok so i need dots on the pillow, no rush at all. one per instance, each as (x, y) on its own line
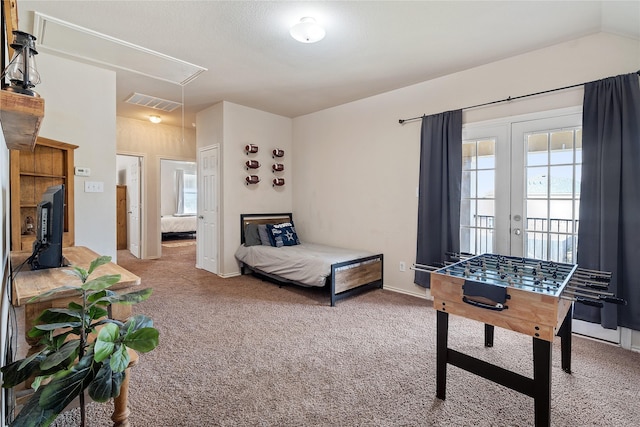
(264, 235)
(251, 236)
(283, 234)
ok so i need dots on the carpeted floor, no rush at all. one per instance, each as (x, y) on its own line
(241, 352)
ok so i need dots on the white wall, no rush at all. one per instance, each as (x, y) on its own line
(233, 126)
(355, 169)
(80, 109)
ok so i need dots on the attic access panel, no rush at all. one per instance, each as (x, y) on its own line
(62, 37)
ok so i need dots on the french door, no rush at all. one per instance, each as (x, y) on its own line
(521, 187)
(521, 192)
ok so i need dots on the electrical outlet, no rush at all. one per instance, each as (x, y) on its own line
(403, 266)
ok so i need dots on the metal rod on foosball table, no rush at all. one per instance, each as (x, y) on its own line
(589, 282)
(502, 261)
(518, 280)
(529, 262)
(571, 286)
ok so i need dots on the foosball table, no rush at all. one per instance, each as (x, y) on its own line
(525, 295)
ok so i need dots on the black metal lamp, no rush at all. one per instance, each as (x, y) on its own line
(22, 72)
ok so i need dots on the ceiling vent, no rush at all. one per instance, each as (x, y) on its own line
(55, 35)
(152, 102)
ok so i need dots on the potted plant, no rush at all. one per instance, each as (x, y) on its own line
(69, 362)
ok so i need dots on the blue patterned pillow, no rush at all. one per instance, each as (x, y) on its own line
(282, 234)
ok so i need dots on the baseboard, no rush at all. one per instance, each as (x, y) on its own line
(426, 295)
(229, 275)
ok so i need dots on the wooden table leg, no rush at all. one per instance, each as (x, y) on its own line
(121, 410)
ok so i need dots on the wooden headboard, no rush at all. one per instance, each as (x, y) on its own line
(265, 218)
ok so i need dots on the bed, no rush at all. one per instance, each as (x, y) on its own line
(173, 225)
(344, 272)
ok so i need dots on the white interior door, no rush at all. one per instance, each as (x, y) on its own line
(207, 232)
(134, 208)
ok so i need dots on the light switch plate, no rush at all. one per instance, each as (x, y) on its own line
(93, 187)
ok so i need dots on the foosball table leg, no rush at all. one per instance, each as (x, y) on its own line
(565, 342)
(542, 382)
(488, 335)
(442, 326)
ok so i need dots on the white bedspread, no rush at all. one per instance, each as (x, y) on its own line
(178, 224)
(307, 263)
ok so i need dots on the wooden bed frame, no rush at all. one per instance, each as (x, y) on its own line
(347, 278)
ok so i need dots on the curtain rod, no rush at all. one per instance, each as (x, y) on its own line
(403, 121)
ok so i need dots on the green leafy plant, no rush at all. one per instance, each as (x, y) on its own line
(68, 362)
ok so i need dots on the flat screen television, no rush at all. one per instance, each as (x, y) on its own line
(47, 248)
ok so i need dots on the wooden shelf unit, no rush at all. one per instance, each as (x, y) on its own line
(32, 172)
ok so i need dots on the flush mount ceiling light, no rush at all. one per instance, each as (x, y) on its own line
(307, 31)
(155, 119)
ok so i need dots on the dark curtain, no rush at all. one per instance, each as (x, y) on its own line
(439, 194)
(609, 233)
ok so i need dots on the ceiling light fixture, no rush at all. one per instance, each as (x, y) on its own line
(155, 119)
(307, 31)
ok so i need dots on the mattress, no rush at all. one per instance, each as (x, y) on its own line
(307, 263)
(178, 224)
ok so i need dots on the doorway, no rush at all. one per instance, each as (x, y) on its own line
(178, 200)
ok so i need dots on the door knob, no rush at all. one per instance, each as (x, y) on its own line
(517, 231)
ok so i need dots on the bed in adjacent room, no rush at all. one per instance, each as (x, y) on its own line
(270, 247)
(178, 224)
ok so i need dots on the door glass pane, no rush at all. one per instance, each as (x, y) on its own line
(486, 154)
(561, 209)
(469, 155)
(578, 145)
(562, 183)
(485, 209)
(486, 184)
(468, 208)
(537, 149)
(561, 147)
(468, 185)
(477, 205)
(537, 182)
(552, 194)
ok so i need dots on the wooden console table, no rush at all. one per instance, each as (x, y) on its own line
(31, 283)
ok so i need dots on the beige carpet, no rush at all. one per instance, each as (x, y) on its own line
(241, 352)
